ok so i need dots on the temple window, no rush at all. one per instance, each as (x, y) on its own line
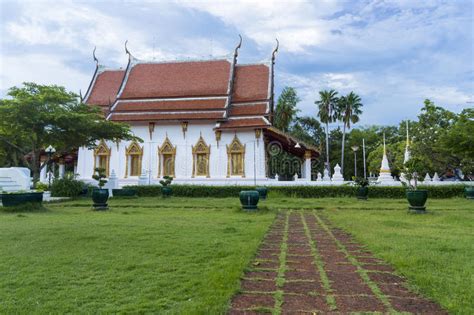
(167, 155)
(102, 157)
(134, 155)
(201, 153)
(235, 158)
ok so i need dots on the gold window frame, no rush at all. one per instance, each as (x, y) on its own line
(201, 147)
(235, 147)
(166, 148)
(133, 149)
(102, 150)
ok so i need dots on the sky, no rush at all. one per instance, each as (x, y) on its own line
(394, 54)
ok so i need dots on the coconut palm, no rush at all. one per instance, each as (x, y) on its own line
(286, 109)
(327, 113)
(349, 111)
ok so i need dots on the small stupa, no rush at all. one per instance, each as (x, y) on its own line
(337, 176)
(385, 173)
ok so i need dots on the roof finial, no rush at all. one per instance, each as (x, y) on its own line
(126, 49)
(80, 95)
(275, 50)
(384, 151)
(238, 47)
(95, 58)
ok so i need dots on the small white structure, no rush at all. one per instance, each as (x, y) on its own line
(406, 156)
(326, 177)
(436, 177)
(427, 178)
(15, 179)
(385, 176)
(337, 176)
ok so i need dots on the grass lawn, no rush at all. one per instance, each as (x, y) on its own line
(184, 255)
(135, 259)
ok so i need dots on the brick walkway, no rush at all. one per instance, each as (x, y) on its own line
(305, 265)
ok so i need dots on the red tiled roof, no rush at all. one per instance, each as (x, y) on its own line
(174, 105)
(216, 115)
(244, 123)
(256, 109)
(251, 83)
(177, 79)
(105, 88)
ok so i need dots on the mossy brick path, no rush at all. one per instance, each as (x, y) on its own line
(305, 266)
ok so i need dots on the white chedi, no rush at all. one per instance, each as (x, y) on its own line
(385, 173)
(337, 176)
(320, 177)
(427, 178)
(326, 177)
(435, 177)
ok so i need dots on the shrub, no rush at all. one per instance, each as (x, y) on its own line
(447, 191)
(41, 186)
(66, 187)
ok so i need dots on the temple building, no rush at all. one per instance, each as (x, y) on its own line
(201, 121)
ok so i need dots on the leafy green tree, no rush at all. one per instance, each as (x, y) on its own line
(457, 143)
(327, 113)
(349, 109)
(36, 116)
(286, 109)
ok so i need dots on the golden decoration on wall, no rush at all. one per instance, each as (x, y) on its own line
(235, 158)
(218, 136)
(134, 155)
(151, 129)
(102, 157)
(167, 157)
(201, 153)
(307, 154)
(184, 127)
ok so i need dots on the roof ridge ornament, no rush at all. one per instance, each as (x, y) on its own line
(275, 50)
(236, 50)
(126, 49)
(80, 96)
(95, 58)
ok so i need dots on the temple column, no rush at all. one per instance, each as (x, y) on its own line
(61, 169)
(307, 166)
(43, 177)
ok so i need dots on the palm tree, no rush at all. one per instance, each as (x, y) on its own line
(327, 106)
(286, 109)
(349, 109)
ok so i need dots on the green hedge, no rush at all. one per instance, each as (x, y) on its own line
(447, 191)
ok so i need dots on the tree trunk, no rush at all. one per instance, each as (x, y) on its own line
(342, 152)
(327, 149)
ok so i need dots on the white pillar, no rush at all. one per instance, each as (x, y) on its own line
(62, 169)
(43, 177)
(307, 165)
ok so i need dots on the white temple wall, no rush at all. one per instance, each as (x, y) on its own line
(254, 150)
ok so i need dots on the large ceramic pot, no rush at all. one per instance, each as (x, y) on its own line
(100, 197)
(469, 192)
(417, 200)
(16, 199)
(362, 193)
(124, 192)
(166, 191)
(249, 199)
(262, 191)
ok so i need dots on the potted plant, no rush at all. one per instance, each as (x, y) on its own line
(166, 189)
(263, 192)
(249, 199)
(416, 197)
(362, 185)
(12, 199)
(100, 195)
(469, 192)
